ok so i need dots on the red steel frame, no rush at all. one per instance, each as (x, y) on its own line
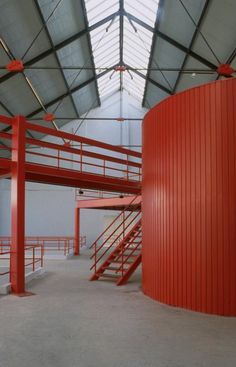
(35, 258)
(123, 176)
(50, 243)
(101, 250)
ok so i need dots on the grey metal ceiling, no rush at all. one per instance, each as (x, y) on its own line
(99, 35)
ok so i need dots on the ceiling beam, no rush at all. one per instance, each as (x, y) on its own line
(158, 85)
(121, 41)
(158, 18)
(172, 42)
(203, 14)
(229, 60)
(55, 55)
(62, 44)
(90, 48)
(73, 90)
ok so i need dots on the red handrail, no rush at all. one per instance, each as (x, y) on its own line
(34, 258)
(123, 168)
(123, 211)
(100, 252)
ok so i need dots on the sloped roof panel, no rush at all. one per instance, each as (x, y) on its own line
(67, 20)
(48, 83)
(16, 95)
(19, 24)
(219, 29)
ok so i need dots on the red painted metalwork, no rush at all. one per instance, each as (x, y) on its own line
(49, 244)
(125, 236)
(225, 70)
(49, 117)
(124, 259)
(189, 199)
(120, 68)
(17, 276)
(86, 194)
(33, 257)
(106, 171)
(15, 66)
(111, 203)
(77, 232)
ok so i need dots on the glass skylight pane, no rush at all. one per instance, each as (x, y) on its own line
(137, 41)
(98, 10)
(108, 83)
(144, 10)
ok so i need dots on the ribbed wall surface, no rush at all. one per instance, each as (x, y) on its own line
(189, 199)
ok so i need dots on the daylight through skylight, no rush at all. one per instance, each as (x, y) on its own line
(106, 43)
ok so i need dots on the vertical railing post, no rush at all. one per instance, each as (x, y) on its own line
(64, 247)
(77, 232)
(42, 253)
(17, 257)
(81, 157)
(104, 168)
(33, 258)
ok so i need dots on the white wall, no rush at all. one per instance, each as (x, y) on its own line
(50, 209)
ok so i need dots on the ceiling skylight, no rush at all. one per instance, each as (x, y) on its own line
(106, 43)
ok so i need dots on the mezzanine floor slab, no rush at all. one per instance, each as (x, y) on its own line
(72, 322)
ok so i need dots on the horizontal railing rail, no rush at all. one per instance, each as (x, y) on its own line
(121, 224)
(97, 158)
(64, 244)
(34, 256)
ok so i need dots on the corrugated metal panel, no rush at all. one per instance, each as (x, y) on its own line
(219, 29)
(68, 18)
(19, 24)
(189, 199)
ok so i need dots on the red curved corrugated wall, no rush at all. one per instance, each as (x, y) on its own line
(189, 199)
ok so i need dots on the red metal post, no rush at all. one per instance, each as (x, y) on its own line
(17, 258)
(77, 232)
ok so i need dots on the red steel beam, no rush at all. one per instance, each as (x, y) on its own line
(79, 139)
(63, 177)
(17, 257)
(77, 232)
(108, 202)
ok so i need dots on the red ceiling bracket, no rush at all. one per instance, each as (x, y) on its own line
(49, 117)
(15, 66)
(120, 68)
(120, 119)
(225, 70)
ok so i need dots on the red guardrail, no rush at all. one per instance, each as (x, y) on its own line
(114, 232)
(48, 243)
(77, 153)
(33, 257)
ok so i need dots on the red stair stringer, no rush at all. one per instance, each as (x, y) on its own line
(123, 280)
(129, 238)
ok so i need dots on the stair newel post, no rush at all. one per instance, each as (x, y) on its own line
(81, 157)
(122, 260)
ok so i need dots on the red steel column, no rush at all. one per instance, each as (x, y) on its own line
(77, 232)
(17, 258)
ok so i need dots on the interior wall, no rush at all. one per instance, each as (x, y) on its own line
(50, 209)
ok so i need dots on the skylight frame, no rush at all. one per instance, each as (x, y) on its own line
(136, 44)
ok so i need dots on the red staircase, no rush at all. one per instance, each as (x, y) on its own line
(120, 253)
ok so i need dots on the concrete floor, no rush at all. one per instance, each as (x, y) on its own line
(72, 322)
